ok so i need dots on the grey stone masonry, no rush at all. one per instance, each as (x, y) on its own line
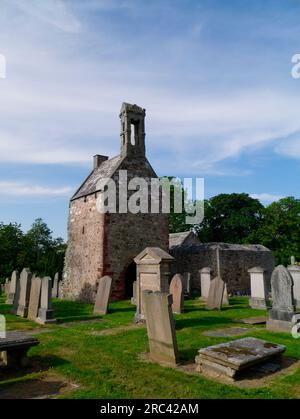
(283, 304)
(161, 328)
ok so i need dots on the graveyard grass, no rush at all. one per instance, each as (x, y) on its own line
(109, 365)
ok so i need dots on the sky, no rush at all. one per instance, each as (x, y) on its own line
(213, 75)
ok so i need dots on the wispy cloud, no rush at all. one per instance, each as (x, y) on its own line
(22, 189)
(266, 197)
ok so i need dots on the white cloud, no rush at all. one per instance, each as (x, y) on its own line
(11, 188)
(267, 197)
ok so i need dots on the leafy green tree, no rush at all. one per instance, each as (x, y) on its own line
(11, 241)
(230, 218)
(280, 230)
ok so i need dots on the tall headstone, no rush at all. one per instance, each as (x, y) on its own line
(283, 308)
(293, 260)
(46, 313)
(176, 289)
(6, 287)
(294, 270)
(258, 284)
(216, 294)
(25, 286)
(133, 299)
(17, 296)
(225, 301)
(103, 295)
(55, 286)
(153, 274)
(161, 328)
(34, 300)
(186, 283)
(205, 278)
(12, 287)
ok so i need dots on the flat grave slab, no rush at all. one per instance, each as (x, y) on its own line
(253, 320)
(231, 358)
(14, 348)
(231, 331)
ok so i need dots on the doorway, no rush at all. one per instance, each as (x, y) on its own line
(130, 277)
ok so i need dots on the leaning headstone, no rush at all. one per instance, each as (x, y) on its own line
(103, 295)
(216, 293)
(55, 286)
(12, 288)
(25, 285)
(46, 313)
(161, 327)
(176, 289)
(17, 296)
(34, 300)
(283, 308)
(205, 278)
(294, 270)
(133, 298)
(258, 285)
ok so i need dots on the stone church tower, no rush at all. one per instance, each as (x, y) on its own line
(106, 244)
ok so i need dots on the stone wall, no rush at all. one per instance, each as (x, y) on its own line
(235, 260)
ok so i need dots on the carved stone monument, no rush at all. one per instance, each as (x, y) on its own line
(103, 295)
(45, 312)
(205, 278)
(176, 289)
(12, 288)
(258, 284)
(34, 299)
(25, 285)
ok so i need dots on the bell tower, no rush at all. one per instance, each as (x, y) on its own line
(132, 130)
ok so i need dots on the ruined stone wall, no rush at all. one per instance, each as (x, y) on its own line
(84, 264)
(234, 262)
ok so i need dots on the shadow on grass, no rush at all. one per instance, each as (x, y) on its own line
(201, 321)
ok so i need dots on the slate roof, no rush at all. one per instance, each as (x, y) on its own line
(105, 170)
(196, 248)
(178, 239)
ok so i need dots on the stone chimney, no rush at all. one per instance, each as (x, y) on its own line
(98, 160)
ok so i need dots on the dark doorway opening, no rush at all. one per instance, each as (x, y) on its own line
(130, 277)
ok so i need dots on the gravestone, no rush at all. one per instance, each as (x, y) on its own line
(230, 359)
(45, 312)
(186, 283)
(133, 299)
(176, 289)
(293, 260)
(225, 296)
(34, 300)
(12, 288)
(216, 294)
(294, 270)
(205, 278)
(55, 286)
(103, 295)
(6, 287)
(17, 296)
(283, 308)
(258, 285)
(25, 285)
(161, 328)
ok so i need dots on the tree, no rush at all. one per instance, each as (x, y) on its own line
(280, 230)
(11, 241)
(230, 218)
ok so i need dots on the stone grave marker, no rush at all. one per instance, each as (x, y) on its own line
(17, 296)
(294, 270)
(161, 328)
(34, 300)
(225, 296)
(6, 287)
(55, 286)
(133, 298)
(258, 284)
(176, 289)
(103, 295)
(216, 294)
(45, 312)
(205, 278)
(12, 287)
(283, 307)
(25, 286)
(186, 283)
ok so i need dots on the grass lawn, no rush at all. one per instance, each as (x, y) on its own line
(109, 366)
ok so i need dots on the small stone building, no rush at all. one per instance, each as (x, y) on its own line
(106, 244)
(235, 261)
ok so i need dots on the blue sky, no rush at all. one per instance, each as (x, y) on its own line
(214, 76)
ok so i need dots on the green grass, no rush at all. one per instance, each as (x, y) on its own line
(109, 366)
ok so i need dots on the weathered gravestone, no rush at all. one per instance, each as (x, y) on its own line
(293, 260)
(17, 296)
(161, 328)
(12, 288)
(232, 358)
(216, 294)
(55, 286)
(205, 278)
(294, 270)
(103, 295)
(258, 284)
(186, 281)
(25, 286)
(34, 300)
(133, 299)
(283, 304)
(176, 289)
(6, 287)
(45, 312)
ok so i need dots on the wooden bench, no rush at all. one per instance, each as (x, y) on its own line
(14, 348)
